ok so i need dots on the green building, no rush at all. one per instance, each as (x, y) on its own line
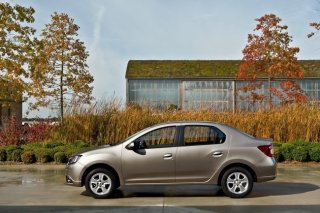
(202, 84)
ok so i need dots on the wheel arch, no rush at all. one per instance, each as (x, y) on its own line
(100, 165)
(245, 166)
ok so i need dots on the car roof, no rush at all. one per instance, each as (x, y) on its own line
(188, 123)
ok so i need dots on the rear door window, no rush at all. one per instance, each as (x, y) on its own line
(203, 135)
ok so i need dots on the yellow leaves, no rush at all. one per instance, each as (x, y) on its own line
(63, 72)
(16, 49)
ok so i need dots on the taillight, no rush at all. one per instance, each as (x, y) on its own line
(267, 150)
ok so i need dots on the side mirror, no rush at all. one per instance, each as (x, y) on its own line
(131, 146)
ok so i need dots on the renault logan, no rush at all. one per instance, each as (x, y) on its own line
(176, 153)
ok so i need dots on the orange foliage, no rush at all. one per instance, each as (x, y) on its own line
(268, 54)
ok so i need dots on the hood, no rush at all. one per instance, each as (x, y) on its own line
(94, 150)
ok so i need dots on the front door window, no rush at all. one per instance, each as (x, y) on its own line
(159, 138)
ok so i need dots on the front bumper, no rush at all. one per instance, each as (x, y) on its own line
(74, 174)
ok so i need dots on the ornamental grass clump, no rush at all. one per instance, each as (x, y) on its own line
(110, 122)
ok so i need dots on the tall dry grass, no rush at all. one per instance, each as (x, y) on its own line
(108, 122)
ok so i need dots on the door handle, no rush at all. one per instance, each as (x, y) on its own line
(217, 154)
(167, 156)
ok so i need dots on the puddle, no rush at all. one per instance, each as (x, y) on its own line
(26, 176)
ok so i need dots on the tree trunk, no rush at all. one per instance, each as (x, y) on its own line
(61, 94)
(270, 97)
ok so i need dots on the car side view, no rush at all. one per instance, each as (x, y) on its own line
(176, 153)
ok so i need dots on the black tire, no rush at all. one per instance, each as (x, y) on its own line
(100, 183)
(240, 182)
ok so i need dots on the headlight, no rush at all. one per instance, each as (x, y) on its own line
(74, 159)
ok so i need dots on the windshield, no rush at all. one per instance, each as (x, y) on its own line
(131, 136)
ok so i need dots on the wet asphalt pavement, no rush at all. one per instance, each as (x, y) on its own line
(41, 188)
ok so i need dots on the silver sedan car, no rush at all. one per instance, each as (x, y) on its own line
(176, 153)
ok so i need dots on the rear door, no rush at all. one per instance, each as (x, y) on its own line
(203, 148)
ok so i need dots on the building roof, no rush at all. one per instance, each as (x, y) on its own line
(199, 68)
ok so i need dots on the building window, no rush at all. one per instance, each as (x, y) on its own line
(154, 93)
(212, 94)
(215, 94)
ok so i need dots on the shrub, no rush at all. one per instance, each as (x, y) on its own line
(314, 153)
(9, 150)
(3, 154)
(16, 155)
(28, 157)
(59, 149)
(60, 157)
(44, 155)
(286, 150)
(53, 144)
(71, 151)
(277, 144)
(300, 153)
(31, 146)
(80, 144)
(277, 154)
(39, 131)
(11, 132)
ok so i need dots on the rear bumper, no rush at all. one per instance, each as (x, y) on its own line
(266, 178)
(267, 171)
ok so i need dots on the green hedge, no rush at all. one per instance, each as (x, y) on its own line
(42, 152)
(28, 157)
(314, 153)
(287, 151)
(60, 157)
(297, 151)
(3, 154)
(300, 153)
(44, 155)
(277, 154)
(16, 155)
(59, 152)
(9, 150)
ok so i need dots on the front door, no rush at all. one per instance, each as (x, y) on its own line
(153, 158)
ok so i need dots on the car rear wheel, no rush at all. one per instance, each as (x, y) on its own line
(100, 183)
(237, 182)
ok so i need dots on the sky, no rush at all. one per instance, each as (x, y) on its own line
(116, 31)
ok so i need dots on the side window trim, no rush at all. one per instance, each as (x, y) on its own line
(180, 136)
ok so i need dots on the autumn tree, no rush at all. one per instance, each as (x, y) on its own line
(62, 72)
(268, 54)
(316, 26)
(16, 51)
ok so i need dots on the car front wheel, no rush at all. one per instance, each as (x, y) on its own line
(100, 183)
(237, 182)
